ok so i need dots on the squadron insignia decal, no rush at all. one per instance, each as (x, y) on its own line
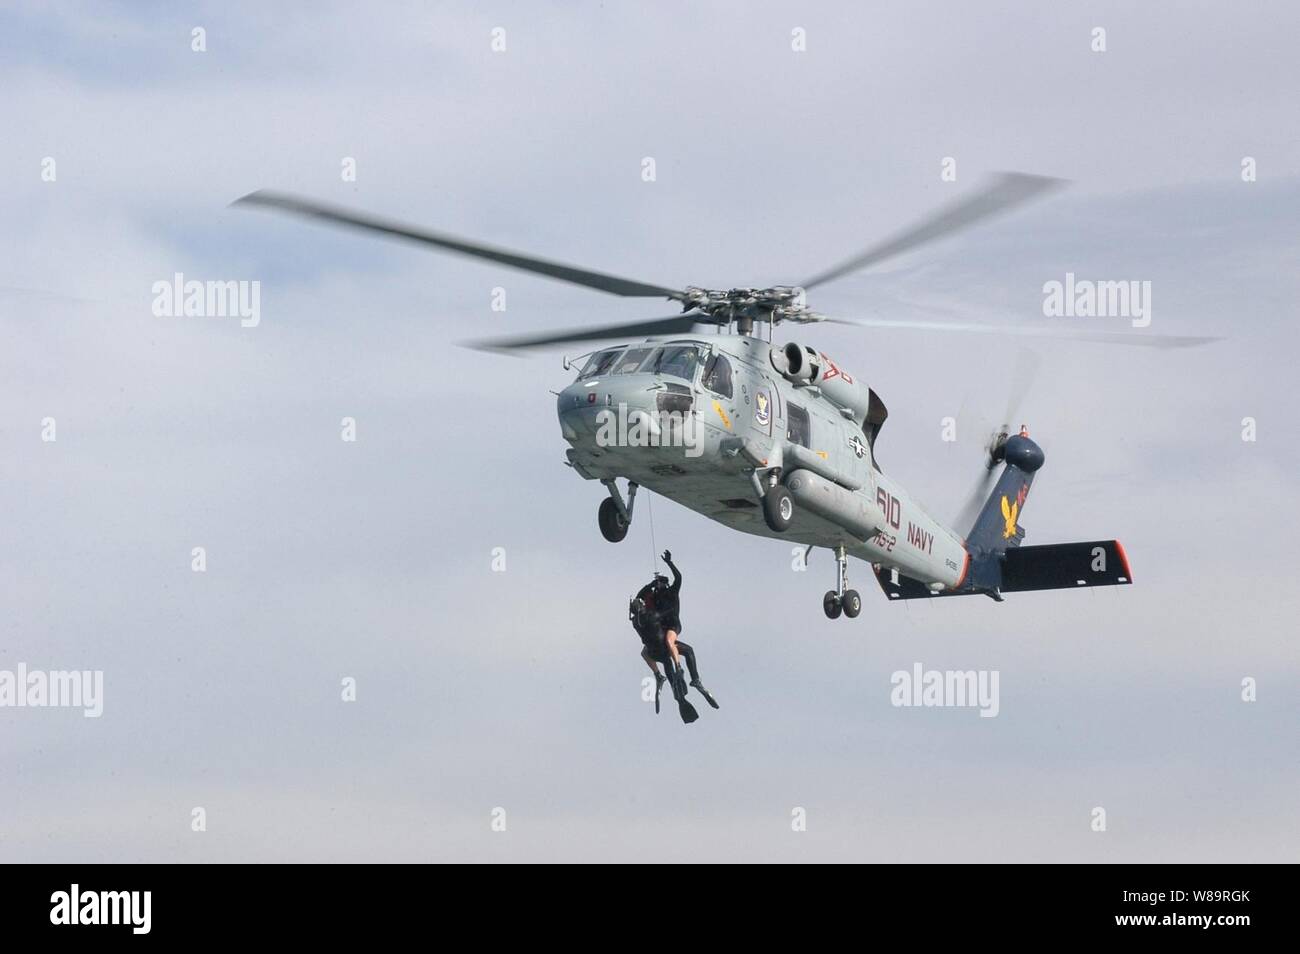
(762, 408)
(833, 371)
(1009, 513)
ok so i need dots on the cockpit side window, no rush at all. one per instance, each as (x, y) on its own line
(630, 361)
(797, 430)
(599, 363)
(717, 375)
(680, 361)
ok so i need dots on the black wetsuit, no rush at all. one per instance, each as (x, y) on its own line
(661, 608)
(668, 603)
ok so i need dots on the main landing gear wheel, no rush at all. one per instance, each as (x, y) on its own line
(778, 508)
(613, 525)
(852, 604)
(842, 599)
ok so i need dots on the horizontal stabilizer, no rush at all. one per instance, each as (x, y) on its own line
(1065, 566)
(1056, 566)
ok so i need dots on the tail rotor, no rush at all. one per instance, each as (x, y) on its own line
(1021, 379)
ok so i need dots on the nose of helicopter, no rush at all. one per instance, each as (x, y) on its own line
(580, 404)
(583, 406)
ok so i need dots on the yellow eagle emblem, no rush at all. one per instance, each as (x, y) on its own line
(1009, 513)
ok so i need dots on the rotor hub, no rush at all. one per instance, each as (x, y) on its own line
(744, 306)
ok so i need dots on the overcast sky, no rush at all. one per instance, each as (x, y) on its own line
(521, 689)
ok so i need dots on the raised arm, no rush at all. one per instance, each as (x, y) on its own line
(677, 576)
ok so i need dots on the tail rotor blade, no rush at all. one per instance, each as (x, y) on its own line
(971, 508)
(1021, 379)
(1023, 375)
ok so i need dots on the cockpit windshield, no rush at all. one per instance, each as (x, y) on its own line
(631, 360)
(680, 361)
(599, 363)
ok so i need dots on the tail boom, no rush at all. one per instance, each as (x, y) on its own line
(996, 563)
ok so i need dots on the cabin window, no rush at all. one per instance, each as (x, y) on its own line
(679, 361)
(599, 363)
(797, 425)
(717, 375)
(631, 361)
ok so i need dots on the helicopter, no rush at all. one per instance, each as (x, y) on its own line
(780, 440)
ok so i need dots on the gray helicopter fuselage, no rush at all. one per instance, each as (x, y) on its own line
(778, 442)
(709, 421)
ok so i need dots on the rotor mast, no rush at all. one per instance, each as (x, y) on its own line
(743, 307)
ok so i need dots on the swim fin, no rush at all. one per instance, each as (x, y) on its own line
(699, 687)
(678, 680)
(679, 685)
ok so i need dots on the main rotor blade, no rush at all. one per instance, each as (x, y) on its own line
(1005, 192)
(566, 273)
(629, 329)
(1035, 331)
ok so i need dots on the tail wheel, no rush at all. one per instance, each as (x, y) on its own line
(831, 604)
(852, 603)
(778, 508)
(613, 525)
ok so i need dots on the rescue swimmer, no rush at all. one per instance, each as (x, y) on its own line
(655, 613)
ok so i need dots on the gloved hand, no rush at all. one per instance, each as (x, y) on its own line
(668, 556)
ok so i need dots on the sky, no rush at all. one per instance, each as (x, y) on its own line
(489, 698)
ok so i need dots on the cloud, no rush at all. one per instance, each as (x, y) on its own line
(521, 689)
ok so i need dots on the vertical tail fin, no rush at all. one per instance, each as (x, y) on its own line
(997, 527)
